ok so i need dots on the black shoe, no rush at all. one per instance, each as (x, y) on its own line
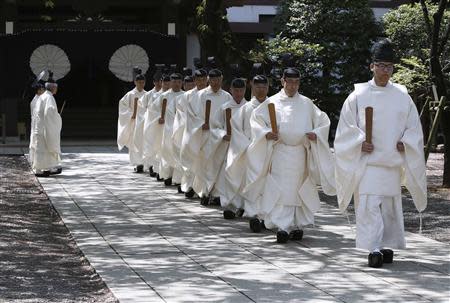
(375, 259)
(263, 226)
(282, 236)
(296, 235)
(190, 193)
(180, 191)
(255, 225)
(239, 213)
(45, 174)
(139, 169)
(168, 182)
(56, 172)
(204, 201)
(229, 214)
(388, 255)
(215, 201)
(158, 178)
(151, 172)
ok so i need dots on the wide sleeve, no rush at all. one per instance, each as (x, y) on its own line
(179, 121)
(125, 125)
(414, 159)
(192, 137)
(155, 130)
(348, 154)
(236, 165)
(259, 151)
(216, 132)
(53, 124)
(321, 162)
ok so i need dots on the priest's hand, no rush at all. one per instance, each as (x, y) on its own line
(400, 147)
(367, 147)
(205, 126)
(272, 136)
(227, 137)
(161, 121)
(311, 136)
(133, 117)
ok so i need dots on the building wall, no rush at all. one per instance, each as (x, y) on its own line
(244, 16)
(250, 13)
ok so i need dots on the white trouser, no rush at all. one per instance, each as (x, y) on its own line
(379, 222)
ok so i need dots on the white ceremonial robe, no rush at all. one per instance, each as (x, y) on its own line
(150, 116)
(194, 139)
(139, 140)
(215, 152)
(32, 127)
(374, 179)
(46, 133)
(126, 127)
(282, 175)
(179, 129)
(167, 157)
(236, 163)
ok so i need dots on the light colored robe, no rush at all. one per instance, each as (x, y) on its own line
(167, 156)
(150, 115)
(282, 175)
(179, 129)
(145, 103)
(380, 173)
(194, 139)
(236, 163)
(126, 126)
(215, 152)
(140, 140)
(46, 133)
(32, 127)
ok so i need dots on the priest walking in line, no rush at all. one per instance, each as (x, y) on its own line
(287, 158)
(126, 125)
(379, 147)
(236, 164)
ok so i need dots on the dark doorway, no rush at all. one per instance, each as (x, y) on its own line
(89, 89)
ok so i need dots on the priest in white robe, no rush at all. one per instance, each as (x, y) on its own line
(46, 131)
(236, 163)
(372, 172)
(198, 130)
(179, 129)
(216, 149)
(188, 83)
(144, 104)
(285, 164)
(126, 124)
(151, 144)
(39, 88)
(162, 129)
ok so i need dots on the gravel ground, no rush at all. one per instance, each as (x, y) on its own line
(39, 260)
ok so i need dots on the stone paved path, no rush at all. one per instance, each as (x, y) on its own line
(150, 244)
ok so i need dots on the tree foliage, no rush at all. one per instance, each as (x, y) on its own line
(413, 73)
(305, 56)
(407, 29)
(423, 30)
(345, 29)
